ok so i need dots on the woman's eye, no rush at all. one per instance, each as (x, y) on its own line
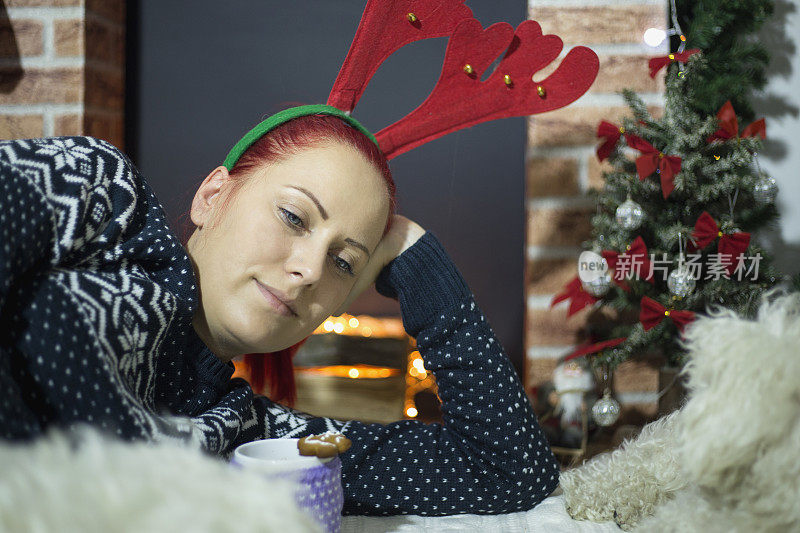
(291, 218)
(297, 222)
(344, 265)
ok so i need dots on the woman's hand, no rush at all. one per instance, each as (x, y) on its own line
(402, 235)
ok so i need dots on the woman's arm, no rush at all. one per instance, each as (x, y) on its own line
(27, 225)
(490, 456)
(65, 202)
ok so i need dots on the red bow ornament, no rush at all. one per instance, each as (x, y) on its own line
(611, 133)
(588, 348)
(652, 313)
(732, 244)
(636, 256)
(657, 63)
(653, 160)
(578, 297)
(729, 126)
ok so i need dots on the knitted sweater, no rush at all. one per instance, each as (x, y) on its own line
(96, 304)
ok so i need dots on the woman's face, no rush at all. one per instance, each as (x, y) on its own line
(303, 226)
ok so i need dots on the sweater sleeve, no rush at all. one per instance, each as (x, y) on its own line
(490, 455)
(58, 208)
(27, 227)
(57, 211)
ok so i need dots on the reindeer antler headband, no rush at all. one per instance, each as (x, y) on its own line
(460, 99)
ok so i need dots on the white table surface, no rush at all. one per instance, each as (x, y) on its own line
(550, 516)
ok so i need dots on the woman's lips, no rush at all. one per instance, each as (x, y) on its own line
(273, 300)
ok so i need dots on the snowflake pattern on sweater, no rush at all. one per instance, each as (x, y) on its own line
(96, 304)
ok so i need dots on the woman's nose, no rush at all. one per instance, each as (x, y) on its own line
(307, 261)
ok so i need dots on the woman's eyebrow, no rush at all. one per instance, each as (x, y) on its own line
(358, 245)
(313, 199)
(324, 215)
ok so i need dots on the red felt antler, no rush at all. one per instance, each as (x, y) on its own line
(384, 28)
(460, 99)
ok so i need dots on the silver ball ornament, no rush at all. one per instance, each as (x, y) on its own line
(680, 282)
(765, 190)
(605, 411)
(599, 285)
(629, 214)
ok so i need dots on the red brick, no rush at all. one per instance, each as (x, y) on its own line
(552, 226)
(574, 125)
(595, 172)
(552, 176)
(599, 24)
(68, 36)
(627, 71)
(20, 38)
(42, 3)
(551, 327)
(539, 370)
(54, 85)
(636, 375)
(21, 126)
(548, 276)
(68, 125)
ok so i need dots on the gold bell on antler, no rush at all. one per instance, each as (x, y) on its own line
(411, 17)
(507, 80)
(540, 91)
(468, 68)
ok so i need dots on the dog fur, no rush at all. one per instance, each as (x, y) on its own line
(85, 481)
(729, 459)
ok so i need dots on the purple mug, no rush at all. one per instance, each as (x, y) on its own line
(318, 481)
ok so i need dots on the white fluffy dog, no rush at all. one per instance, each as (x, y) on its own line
(84, 481)
(729, 459)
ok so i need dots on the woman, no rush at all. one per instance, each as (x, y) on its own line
(107, 319)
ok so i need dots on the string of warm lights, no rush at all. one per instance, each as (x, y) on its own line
(362, 326)
(417, 379)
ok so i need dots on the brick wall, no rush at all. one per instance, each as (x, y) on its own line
(562, 166)
(62, 68)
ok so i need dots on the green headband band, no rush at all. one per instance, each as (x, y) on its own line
(284, 116)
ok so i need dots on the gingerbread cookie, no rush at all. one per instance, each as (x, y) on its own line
(326, 444)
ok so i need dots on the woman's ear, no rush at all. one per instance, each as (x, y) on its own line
(207, 196)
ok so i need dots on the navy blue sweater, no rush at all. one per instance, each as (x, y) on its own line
(96, 304)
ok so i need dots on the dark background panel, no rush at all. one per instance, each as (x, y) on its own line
(202, 73)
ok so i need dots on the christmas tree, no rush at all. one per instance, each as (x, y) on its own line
(672, 234)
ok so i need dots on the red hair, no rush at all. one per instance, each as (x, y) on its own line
(287, 139)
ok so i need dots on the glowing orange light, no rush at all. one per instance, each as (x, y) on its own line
(352, 371)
